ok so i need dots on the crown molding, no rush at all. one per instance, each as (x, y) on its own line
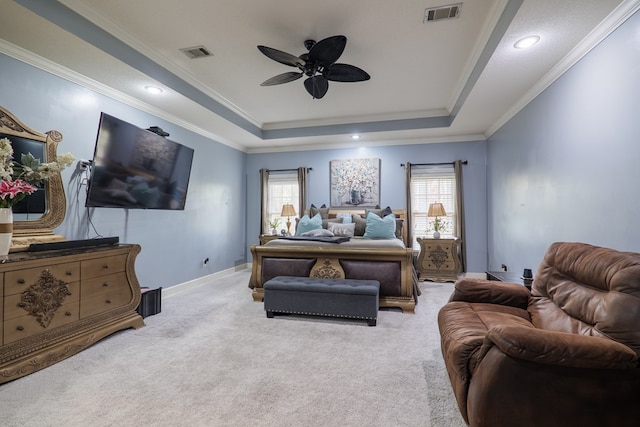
(65, 73)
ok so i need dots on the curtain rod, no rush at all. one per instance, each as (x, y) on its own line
(286, 170)
(464, 162)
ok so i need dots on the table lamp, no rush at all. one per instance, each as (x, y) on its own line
(288, 211)
(437, 210)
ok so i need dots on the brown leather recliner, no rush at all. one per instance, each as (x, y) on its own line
(563, 354)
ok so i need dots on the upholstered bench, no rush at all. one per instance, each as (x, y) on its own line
(351, 298)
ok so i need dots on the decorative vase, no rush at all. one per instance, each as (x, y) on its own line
(355, 197)
(436, 234)
(6, 230)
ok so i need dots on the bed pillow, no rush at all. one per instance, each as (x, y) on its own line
(346, 217)
(399, 225)
(327, 222)
(380, 212)
(322, 210)
(361, 225)
(342, 230)
(380, 228)
(307, 224)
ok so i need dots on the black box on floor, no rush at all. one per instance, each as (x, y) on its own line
(151, 302)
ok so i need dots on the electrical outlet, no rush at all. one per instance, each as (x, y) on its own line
(503, 267)
(205, 262)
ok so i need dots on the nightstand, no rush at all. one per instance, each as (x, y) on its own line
(264, 238)
(439, 260)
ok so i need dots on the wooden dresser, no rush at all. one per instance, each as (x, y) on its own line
(54, 304)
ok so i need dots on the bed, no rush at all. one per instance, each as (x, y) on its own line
(386, 260)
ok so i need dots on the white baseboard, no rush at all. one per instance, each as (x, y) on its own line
(171, 290)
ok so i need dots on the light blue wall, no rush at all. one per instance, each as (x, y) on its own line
(566, 168)
(392, 182)
(174, 243)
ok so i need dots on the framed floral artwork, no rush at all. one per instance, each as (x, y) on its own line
(355, 182)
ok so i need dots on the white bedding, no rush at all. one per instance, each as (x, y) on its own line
(354, 242)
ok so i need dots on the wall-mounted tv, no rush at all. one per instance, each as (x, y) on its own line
(137, 169)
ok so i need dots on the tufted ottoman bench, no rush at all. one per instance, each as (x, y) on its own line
(356, 299)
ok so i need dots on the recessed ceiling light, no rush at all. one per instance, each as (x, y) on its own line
(355, 136)
(526, 42)
(153, 89)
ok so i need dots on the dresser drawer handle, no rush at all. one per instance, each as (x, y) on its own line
(68, 313)
(69, 273)
(108, 301)
(20, 328)
(105, 265)
(21, 281)
(105, 284)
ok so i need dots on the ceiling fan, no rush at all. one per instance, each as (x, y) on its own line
(319, 65)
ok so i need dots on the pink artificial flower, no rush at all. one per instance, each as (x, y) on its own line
(15, 188)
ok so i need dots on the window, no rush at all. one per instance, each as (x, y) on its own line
(282, 188)
(433, 185)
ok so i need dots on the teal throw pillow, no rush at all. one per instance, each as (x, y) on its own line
(380, 228)
(307, 224)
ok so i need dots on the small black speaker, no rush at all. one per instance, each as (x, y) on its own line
(151, 302)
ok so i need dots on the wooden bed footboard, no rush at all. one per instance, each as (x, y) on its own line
(392, 267)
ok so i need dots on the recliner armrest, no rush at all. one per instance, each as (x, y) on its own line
(559, 348)
(491, 292)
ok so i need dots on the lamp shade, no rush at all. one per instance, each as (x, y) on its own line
(288, 210)
(436, 209)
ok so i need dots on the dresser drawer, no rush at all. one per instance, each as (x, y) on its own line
(27, 325)
(13, 309)
(17, 281)
(104, 302)
(101, 285)
(102, 266)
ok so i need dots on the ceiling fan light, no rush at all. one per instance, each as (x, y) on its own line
(526, 42)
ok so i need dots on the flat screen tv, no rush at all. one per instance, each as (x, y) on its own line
(137, 169)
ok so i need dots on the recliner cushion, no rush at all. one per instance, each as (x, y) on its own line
(463, 327)
(588, 290)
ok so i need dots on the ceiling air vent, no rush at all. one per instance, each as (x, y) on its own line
(196, 52)
(442, 12)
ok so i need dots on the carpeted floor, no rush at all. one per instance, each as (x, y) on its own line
(212, 358)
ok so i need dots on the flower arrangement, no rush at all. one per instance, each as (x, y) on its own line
(274, 223)
(19, 179)
(439, 225)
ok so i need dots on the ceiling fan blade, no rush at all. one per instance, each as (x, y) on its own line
(282, 57)
(345, 73)
(327, 51)
(317, 86)
(282, 78)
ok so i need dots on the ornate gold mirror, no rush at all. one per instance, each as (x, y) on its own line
(37, 215)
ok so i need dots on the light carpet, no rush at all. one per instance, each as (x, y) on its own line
(212, 358)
